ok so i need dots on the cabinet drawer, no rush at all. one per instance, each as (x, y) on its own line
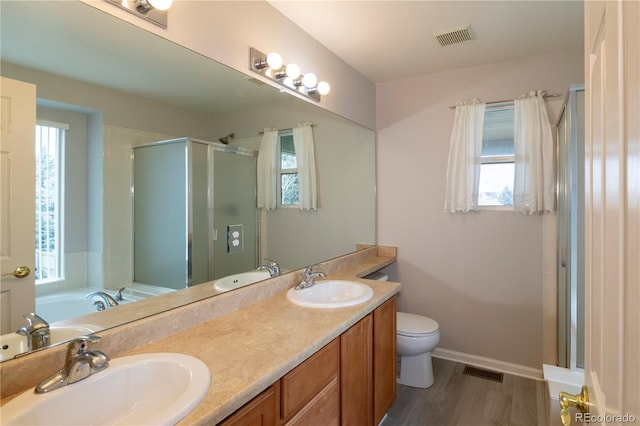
(308, 379)
(323, 410)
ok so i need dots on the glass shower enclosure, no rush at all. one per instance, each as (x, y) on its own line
(195, 215)
(570, 247)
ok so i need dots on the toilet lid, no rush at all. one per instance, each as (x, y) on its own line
(415, 325)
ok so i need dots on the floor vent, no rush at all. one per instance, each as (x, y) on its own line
(483, 374)
(454, 35)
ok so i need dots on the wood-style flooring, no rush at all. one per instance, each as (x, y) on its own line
(461, 400)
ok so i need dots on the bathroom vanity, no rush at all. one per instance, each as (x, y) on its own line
(267, 356)
(350, 381)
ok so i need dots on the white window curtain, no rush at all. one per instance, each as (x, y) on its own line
(465, 152)
(534, 179)
(267, 169)
(305, 157)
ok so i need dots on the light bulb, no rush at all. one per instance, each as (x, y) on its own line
(309, 80)
(274, 60)
(323, 88)
(293, 71)
(160, 4)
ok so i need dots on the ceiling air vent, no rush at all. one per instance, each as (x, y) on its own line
(453, 35)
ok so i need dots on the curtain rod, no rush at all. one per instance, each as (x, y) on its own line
(553, 95)
(286, 130)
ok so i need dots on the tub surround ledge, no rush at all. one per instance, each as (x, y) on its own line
(249, 337)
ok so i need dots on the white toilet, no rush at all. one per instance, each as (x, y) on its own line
(416, 336)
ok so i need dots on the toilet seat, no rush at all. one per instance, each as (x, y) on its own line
(412, 325)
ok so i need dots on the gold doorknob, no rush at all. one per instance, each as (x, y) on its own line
(580, 402)
(19, 272)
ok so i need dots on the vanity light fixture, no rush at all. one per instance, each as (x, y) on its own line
(154, 11)
(272, 66)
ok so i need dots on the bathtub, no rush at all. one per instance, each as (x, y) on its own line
(70, 304)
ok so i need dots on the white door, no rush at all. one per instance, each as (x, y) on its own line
(612, 209)
(17, 201)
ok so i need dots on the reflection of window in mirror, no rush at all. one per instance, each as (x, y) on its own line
(287, 170)
(497, 168)
(49, 201)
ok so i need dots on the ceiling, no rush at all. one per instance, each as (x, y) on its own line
(117, 54)
(384, 40)
(392, 40)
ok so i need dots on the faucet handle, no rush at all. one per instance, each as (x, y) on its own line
(119, 297)
(80, 344)
(309, 269)
(274, 267)
(35, 322)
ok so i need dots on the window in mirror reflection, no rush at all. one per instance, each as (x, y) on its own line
(49, 172)
(288, 170)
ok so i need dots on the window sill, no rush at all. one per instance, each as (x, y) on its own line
(496, 208)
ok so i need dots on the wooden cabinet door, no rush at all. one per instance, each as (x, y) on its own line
(384, 358)
(302, 385)
(356, 370)
(260, 411)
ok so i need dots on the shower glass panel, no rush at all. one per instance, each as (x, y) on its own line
(571, 231)
(160, 215)
(234, 211)
(200, 250)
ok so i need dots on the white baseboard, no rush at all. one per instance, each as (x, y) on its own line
(488, 363)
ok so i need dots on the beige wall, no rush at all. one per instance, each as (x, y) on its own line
(479, 275)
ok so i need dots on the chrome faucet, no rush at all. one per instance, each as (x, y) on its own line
(272, 267)
(79, 364)
(106, 302)
(37, 332)
(308, 277)
(119, 297)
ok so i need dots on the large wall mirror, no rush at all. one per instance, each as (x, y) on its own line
(115, 87)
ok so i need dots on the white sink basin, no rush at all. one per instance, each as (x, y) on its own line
(331, 294)
(240, 280)
(12, 344)
(146, 389)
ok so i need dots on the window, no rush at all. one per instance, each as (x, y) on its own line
(497, 168)
(49, 172)
(288, 193)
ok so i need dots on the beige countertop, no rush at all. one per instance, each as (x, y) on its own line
(249, 338)
(250, 349)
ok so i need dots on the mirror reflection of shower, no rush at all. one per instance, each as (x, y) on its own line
(180, 230)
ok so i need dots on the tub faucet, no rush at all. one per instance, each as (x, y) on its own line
(119, 297)
(308, 277)
(272, 267)
(106, 302)
(37, 332)
(79, 364)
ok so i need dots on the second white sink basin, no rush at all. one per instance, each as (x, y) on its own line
(12, 344)
(331, 294)
(146, 389)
